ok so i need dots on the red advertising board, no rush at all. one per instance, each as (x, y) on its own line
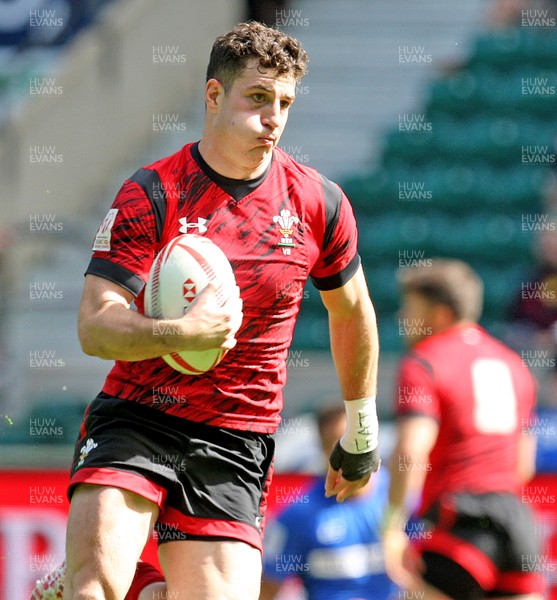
(33, 509)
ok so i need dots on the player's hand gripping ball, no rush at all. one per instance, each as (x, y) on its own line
(181, 270)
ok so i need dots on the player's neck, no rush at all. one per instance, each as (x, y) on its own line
(462, 324)
(453, 325)
(230, 167)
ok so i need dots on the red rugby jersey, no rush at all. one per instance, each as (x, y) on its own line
(482, 395)
(245, 219)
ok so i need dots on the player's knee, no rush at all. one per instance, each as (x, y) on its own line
(86, 589)
(155, 591)
(86, 582)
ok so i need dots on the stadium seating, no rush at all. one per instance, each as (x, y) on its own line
(50, 421)
(461, 182)
(505, 48)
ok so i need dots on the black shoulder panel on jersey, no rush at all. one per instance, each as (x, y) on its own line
(102, 267)
(150, 182)
(324, 284)
(333, 196)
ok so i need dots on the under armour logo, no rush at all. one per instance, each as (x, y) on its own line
(200, 225)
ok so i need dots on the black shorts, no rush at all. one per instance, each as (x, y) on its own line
(209, 482)
(480, 546)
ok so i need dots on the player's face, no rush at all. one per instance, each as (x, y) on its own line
(251, 117)
(416, 318)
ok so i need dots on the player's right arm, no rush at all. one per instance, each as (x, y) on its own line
(123, 253)
(110, 329)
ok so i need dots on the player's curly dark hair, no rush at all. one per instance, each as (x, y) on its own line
(274, 49)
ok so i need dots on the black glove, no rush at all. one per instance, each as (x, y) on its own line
(354, 466)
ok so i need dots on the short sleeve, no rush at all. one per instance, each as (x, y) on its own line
(416, 393)
(338, 259)
(125, 243)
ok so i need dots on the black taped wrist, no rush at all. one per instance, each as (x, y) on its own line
(354, 466)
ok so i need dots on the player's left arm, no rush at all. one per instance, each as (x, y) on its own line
(527, 441)
(416, 436)
(526, 461)
(355, 351)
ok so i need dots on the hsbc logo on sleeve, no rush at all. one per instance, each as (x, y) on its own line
(102, 239)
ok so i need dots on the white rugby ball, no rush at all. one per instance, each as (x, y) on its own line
(180, 271)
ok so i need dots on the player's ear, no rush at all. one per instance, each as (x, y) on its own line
(214, 91)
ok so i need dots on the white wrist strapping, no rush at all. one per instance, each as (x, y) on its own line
(362, 427)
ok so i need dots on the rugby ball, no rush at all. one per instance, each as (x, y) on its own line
(180, 271)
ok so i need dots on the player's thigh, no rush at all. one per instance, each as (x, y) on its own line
(201, 570)
(107, 530)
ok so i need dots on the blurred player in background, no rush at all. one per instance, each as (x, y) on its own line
(198, 464)
(463, 398)
(334, 548)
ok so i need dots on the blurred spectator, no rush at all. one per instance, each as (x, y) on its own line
(44, 22)
(535, 305)
(533, 313)
(504, 13)
(510, 13)
(333, 548)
